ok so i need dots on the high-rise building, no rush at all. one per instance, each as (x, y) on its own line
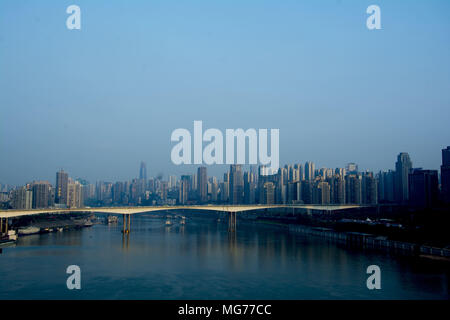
(236, 184)
(185, 188)
(62, 182)
(306, 192)
(42, 194)
(214, 190)
(118, 192)
(280, 186)
(269, 193)
(309, 171)
(423, 188)
(143, 171)
(445, 175)
(249, 188)
(402, 169)
(292, 192)
(352, 168)
(337, 189)
(22, 198)
(321, 193)
(75, 195)
(172, 182)
(386, 186)
(202, 184)
(194, 182)
(369, 188)
(89, 191)
(225, 188)
(164, 188)
(353, 189)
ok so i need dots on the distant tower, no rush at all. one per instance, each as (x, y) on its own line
(202, 183)
(143, 171)
(445, 174)
(236, 184)
(62, 183)
(309, 171)
(402, 168)
(352, 168)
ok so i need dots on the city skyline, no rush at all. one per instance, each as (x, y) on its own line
(299, 183)
(217, 170)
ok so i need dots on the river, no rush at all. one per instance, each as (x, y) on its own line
(202, 260)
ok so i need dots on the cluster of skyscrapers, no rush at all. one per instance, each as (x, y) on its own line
(292, 184)
(41, 194)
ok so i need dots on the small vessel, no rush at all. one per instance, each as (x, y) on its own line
(28, 230)
(9, 238)
(12, 235)
(113, 219)
(60, 229)
(168, 222)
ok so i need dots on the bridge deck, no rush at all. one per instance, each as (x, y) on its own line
(135, 210)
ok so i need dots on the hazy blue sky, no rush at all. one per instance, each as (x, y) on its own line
(99, 100)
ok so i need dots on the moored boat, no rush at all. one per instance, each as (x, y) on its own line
(28, 230)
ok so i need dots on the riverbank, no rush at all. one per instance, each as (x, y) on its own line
(46, 224)
(365, 240)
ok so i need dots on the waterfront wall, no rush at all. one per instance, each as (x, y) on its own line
(371, 241)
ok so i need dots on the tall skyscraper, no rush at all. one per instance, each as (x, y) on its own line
(445, 175)
(143, 171)
(369, 188)
(337, 189)
(185, 188)
(118, 192)
(75, 195)
(423, 188)
(225, 190)
(236, 184)
(353, 189)
(386, 186)
(172, 182)
(352, 168)
(309, 171)
(41, 194)
(269, 193)
(402, 168)
(321, 193)
(249, 188)
(202, 184)
(62, 182)
(22, 198)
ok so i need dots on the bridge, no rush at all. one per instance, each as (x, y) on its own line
(232, 211)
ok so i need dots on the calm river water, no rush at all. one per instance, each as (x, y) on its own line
(201, 260)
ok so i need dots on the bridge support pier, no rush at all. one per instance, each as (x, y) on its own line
(232, 221)
(126, 223)
(3, 230)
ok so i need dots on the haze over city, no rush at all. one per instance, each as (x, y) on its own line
(99, 100)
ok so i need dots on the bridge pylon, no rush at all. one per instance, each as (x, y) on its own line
(126, 223)
(3, 229)
(231, 221)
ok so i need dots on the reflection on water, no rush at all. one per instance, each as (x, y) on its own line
(202, 260)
